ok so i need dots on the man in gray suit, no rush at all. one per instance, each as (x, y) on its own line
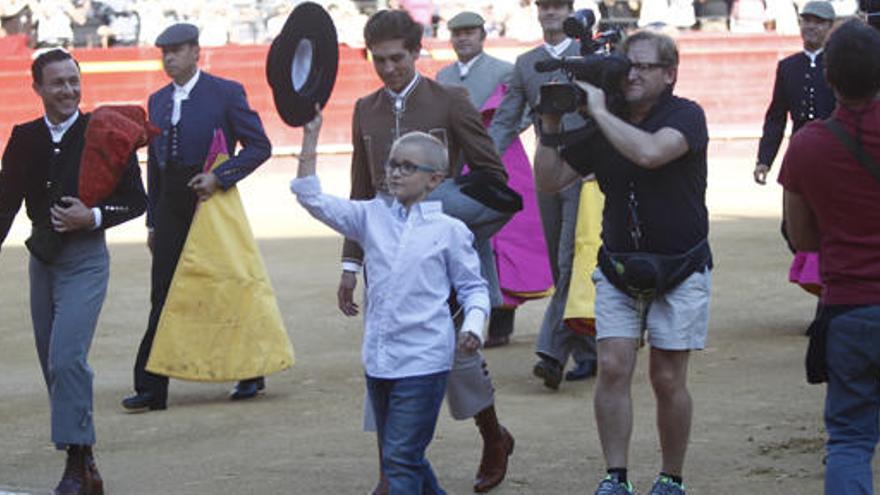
(558, 210)
(480, 73)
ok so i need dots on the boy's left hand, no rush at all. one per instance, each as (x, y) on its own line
(469, 342)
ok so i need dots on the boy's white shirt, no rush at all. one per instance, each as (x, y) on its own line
(395, 245)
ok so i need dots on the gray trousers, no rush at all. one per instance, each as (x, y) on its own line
(66, 299)
(559, 218)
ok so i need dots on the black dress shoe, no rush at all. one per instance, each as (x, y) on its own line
(144, 401)
(248, 389)
(550, 371)
(582, 371)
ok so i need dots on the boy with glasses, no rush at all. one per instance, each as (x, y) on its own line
(414, 255)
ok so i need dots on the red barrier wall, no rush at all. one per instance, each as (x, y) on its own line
(730, 75)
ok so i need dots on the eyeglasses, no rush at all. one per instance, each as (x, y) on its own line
(406, 168)
(646, 66)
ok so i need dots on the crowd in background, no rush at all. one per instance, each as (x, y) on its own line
(106, 23)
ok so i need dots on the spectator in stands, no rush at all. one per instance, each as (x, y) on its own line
(275, 22)
(349, 22)
(681, 14)
(654, 13)
(246, 24)
(748, 16)
(712, 15)
(782, 16)
(124, 23)
(15, 17)
(55, 19)
(621, 14)
(422, 12)
(154, 16)
(519, 23)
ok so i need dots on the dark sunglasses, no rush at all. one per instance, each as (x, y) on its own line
(406, 168)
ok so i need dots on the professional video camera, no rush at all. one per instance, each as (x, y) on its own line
(597, 65)
(871, 8)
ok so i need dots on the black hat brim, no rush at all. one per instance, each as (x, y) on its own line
(308, 22)
(491, 192)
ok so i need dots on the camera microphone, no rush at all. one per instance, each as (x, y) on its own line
(548, 65)
(579, 24)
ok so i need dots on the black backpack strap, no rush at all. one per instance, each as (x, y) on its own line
(854, 147)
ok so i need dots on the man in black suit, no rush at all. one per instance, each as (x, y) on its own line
(800, 89)
(69, 265)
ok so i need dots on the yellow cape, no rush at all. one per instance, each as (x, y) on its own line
(581, 291)
(221, 320)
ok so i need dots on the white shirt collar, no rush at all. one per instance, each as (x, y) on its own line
(187, 88)
(400, 97)
(423, 209)
(813, 55)
(406, 90)
(465, 68)
(58, 130)
(558, 49)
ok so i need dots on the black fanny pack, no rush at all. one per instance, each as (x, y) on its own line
(44, 243)
(646, 275)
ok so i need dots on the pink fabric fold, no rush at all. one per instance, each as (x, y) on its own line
(520, 249)
(804, 271)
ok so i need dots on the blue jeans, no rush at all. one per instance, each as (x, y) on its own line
(852, 403)
(406, 411)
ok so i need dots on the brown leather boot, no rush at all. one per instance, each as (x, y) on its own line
(497, 447)
(81, 475)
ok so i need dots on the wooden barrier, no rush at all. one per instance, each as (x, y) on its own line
(731, 76)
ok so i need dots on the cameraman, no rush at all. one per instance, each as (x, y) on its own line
(651, 166)
(831, 206)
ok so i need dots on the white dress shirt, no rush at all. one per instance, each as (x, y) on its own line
(412, 259)
(465, 68)
(182, 93)
(813, 56)
(58, 131)
(558, 49)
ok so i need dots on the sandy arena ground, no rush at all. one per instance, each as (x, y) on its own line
(757, 426)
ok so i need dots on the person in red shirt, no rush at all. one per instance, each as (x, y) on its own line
(831, 205)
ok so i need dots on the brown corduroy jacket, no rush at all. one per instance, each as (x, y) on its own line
(445, 112)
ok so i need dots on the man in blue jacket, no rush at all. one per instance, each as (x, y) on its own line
(188, 111)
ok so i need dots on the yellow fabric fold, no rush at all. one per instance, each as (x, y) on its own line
(221, 320)
(581, 291)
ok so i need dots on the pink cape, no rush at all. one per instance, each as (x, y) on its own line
(804, 271)
(520, 249)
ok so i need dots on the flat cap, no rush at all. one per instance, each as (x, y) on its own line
(820, 9)
(177, 34)
(465, 20)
